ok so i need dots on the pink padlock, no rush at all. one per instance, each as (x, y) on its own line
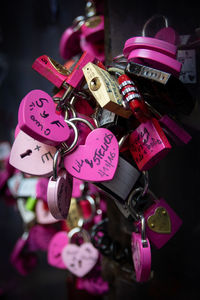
(31, 156)
(37, 117)
(70, 40)
(141, 42)
(58, 74)
(148, 144)
(141, 253)
(56, 245)
(80, 260)
(156, 60)
(97, 159)
(59, 191)
(161, 222)
(93, 29)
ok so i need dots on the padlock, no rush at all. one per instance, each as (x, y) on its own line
(69, 45)
(141, 253)
(79, 260)
(59, 191)
(163, 91)
(97, 159)
(74, 218)
(55, 247)
(104, 88)
(40, 236)
(59, 75)
(161, 220)
(133, 98)
(24, 261)
(148, 144)
(172, 129)
(31, 156)
(153, 52)
(37, 117)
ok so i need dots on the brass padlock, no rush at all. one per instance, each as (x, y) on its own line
(105, 89)
(74, 215)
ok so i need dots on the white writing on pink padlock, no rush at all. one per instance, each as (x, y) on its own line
(80, 260)
(59, 193)
(97, 160)
(37, 117)
(32, 157)
(56, 245)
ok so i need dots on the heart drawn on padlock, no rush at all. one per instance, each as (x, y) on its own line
(37, 117)
(160, 221)
(97, 160)
(80, 260)
(32, 157)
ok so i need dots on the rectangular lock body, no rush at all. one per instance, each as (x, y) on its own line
(123, 182)
(51, 70)
(166, 92)
(105, 90)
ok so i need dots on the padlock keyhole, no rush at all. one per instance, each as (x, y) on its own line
(27, 153)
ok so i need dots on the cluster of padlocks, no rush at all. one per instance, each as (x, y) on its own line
(93, 141)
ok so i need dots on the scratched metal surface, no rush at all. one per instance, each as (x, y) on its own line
(175, 178)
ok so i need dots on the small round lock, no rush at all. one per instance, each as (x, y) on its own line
(59, 191)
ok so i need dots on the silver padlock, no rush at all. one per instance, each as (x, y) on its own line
(123, 182)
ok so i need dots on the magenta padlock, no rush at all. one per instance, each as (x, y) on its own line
(39, 237)
(59, 191)
(161, 222)
(177, 133)
(24, 261)
(70, 40)
(156, 60)
(93, 29)
(37, 117)
(148, 144)
(97, 159)
(141, 254)
(143, 42)
(55, 247)
(58, 74)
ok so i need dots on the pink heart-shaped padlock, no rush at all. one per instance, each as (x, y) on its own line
(43, 215)
(32, 157)
(56, 245)
(97, 160)
(37, 117)
(80, 260)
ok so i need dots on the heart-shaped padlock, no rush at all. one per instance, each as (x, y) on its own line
(97, 160)
(37, 118)
(79, 260)
(31, 156)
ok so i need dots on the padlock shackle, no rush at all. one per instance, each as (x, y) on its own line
(152, 19)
